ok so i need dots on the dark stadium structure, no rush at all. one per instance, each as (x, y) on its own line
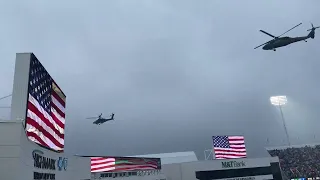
(244, 173)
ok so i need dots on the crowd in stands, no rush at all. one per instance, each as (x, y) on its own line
(303, 162)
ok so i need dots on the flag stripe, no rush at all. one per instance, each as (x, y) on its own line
(107, 165)
(236, 137)
(229, 147)
(36, 138)
(95, 159)
(40, 129)
(229, 150)
(39, 115)
(229, 153)
(43, 116)
(58, 100)
(100, 164)
(56, 108)
(237, 146)
(58, 119)
(34, 134)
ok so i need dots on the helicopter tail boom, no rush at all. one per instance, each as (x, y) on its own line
(312, 31)
(311, 35)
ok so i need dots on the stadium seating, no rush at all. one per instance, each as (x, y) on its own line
(299, 162)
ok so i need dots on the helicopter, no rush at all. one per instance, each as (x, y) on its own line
(279, 41)
(102, 120)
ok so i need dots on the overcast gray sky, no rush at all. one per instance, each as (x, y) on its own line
(174, 72)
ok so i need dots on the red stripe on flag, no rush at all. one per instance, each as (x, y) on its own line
(101, 163)
(32, 108)
(41, 124)
(34, 135)
(58, 110)
(56, 120)
(61, 101)
(98, 159)
(44, 132)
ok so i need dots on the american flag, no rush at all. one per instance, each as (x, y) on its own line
(120, 164)
(45, 109)
(229, 147)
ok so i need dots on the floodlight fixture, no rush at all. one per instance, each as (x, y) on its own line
(278, 100)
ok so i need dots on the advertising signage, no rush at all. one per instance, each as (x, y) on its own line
(62, 163)
(45, 163)
(233, 164)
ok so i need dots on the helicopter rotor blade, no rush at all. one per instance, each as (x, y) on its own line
(313, 28)
(92, 118)
(267, 33)
(261, 45)
(290, 29)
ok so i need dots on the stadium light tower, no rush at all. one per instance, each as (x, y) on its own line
(280, 101)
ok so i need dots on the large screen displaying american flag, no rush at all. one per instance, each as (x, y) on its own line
(45, 117)
(229, 147)
(122, 164)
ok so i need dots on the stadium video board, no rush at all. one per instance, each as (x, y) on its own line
(124, 164)
(45, 106)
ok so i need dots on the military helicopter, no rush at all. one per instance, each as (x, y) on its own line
(279, 41)
(102, 120)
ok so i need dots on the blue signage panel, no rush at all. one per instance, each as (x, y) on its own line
(62, 163)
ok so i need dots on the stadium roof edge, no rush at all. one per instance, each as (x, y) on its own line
(292, 146)
(25, 53)
(172, 154)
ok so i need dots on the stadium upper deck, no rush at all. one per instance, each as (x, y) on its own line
(299, 161)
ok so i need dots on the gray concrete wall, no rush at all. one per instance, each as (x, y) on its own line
(10, 133)
(77, 167)
(20, 86)
(17, 163)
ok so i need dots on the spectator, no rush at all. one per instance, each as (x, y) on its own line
(303, 162)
